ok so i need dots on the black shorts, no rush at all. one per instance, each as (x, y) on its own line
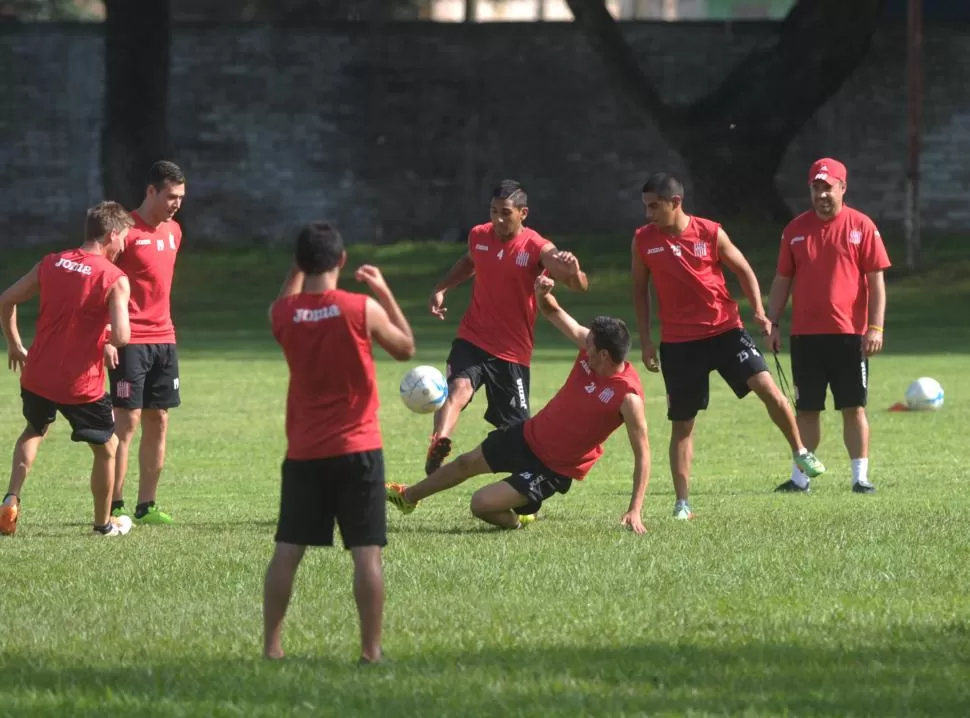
(686, 367)
(506, 383)
(147, 377)
(91, 423)
(505, 450)
(348, 490)
(822, 360)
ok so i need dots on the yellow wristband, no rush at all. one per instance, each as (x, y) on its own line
(875, 328)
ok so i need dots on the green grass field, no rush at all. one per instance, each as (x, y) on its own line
(829, 604)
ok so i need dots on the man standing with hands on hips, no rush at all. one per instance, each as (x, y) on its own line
(831, 261)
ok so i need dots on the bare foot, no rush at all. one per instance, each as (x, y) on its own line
(273, 654)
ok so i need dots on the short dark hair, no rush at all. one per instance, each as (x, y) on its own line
(105, 217)
(664, 185)
(513, 191)
(611, 334)
(163, 172)
(318, 247)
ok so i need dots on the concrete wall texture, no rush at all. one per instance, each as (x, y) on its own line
(398, 133)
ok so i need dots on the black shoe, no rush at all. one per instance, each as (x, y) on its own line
(863, 489)
(437, 453)
(790, 487)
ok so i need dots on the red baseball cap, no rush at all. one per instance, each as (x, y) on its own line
(827, 170)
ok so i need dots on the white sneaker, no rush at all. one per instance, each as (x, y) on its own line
(682, 511)
(120, 525)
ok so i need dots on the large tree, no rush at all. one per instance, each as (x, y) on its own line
(733, 139)
(136, 63)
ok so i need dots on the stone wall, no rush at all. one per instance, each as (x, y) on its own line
(397, 133)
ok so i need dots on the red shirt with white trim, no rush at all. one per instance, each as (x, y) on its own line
(149, 261)
(828, 262)
(692, 294)
(567, 435)
(501, 316)
(332, 400)
(65, 363)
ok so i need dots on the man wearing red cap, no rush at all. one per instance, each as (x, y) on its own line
(831, 261)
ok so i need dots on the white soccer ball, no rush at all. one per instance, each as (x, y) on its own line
(424, 389)
(924, 394)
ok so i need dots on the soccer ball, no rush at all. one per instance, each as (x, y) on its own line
(424, 389)
(924, 394)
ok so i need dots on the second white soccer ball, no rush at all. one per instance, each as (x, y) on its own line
(424, 389)
(924, 394)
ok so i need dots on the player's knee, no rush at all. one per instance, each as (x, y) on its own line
(480, 505)
(854, 414)
(680, 430)
(126, 423)
(155, 422)
(460, 391)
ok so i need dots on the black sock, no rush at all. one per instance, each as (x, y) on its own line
(119, 504)
(7, 496)
(142, 509)
(103, 529)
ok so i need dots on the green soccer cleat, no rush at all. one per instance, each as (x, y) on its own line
(395, 495)
(809, 464)
(154, 517)
(119, 512)
(682, 511)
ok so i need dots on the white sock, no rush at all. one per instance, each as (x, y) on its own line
(860, 471)
(797, 477)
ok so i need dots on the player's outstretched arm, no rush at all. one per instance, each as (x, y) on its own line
(385, 320)
(557, 316)
(636, 428)
(462, 271)
(25, 288)
(118, 296)
(564, 267)
(641, 305)
(734, 260)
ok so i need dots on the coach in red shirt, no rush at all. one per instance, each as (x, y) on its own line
(831, 261)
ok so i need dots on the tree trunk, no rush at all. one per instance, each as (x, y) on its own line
(136, 61)
(733, 139)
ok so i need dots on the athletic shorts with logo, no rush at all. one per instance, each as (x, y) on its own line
(820, 361)
(506, 383)
(91, 423)
(506, 450)
(344, 490)
(686, 368)
(147, 377)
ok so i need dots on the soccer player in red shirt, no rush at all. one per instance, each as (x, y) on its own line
(334, 466)
(560, 444)
(145, 374)
(832, 261)
(495, 336)
(81, 291)
(700, 324)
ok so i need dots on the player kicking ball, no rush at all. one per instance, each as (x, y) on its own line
(546, 453)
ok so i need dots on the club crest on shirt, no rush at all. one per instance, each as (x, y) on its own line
(855, 236)
(171, 241)
(606, 395)
(522, 259)
(700, 249)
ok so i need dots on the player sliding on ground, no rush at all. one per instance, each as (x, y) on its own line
(546, 453)
(495, 337)
(700, 325)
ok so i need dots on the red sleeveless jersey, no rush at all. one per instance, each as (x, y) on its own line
(65, 363)
(149, 262)
(567, 435)
(693, 298)
(502, 313)
(332, 401)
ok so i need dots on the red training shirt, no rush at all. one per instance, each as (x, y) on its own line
(502, 313)
(693, 298)
(332, 400)
(828, 261)
(65, 364)
(567, 435)
(149, 261)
